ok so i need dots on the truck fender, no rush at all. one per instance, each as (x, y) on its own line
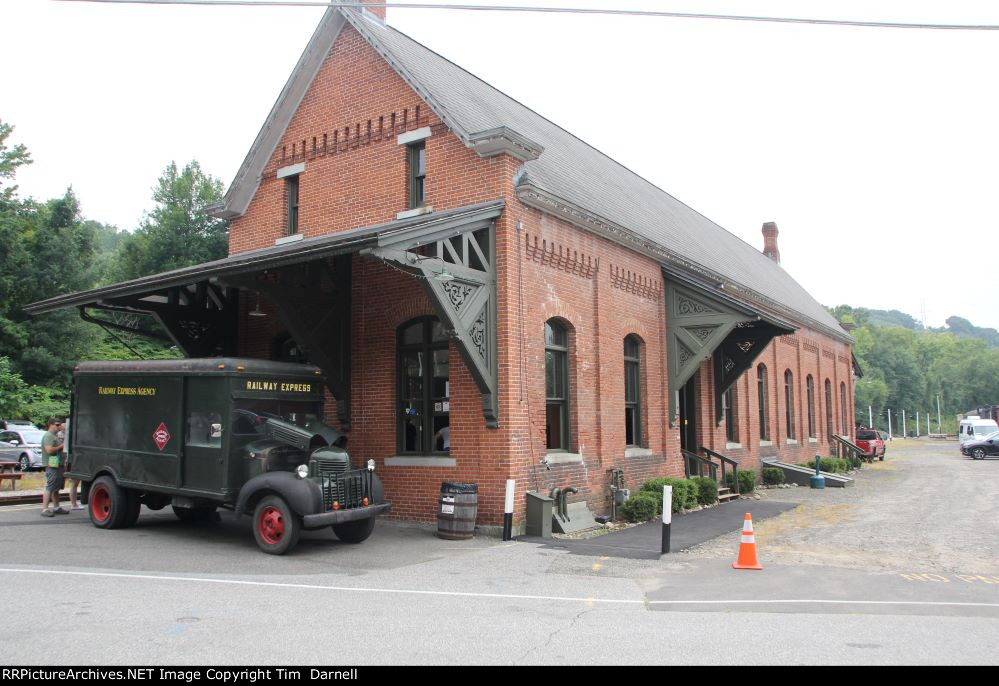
(302, 495)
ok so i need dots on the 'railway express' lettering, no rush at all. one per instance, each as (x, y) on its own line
(282, 386)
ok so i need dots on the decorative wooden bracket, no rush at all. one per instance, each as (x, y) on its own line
(466, 303)
(736, 354)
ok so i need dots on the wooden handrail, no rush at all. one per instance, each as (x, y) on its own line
(724, 459)
(700, 461)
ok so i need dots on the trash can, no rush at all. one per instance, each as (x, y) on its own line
(458, 505)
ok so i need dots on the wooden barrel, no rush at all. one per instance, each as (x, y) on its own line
(456, 510)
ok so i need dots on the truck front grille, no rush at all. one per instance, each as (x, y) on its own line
(348, 488)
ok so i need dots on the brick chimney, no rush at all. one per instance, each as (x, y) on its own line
(377, 11)
(770, 242)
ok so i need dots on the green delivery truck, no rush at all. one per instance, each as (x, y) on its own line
(200, 434)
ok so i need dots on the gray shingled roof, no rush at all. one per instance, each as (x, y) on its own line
(574, 171)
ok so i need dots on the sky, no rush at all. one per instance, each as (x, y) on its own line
(876, 151)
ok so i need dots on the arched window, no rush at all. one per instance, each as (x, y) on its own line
(830, 429)
(424, 425)
(632, 391)
(556, 386)
(789, 401)
(761, 387)
(810, 383)
(844, 411)
(731, 416)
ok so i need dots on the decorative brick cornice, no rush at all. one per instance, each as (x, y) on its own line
(790, 340)
(346, 138)
(632, 282)
(558, 257)
(533, 196)
(810, 346)
(829, 354)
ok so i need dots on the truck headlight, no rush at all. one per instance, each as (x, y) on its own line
(302, 471)
(371, 465)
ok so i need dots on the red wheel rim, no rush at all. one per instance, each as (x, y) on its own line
(100, 503)
(271, 525)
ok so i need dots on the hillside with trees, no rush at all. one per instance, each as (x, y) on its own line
(48, 248)
(906, 367)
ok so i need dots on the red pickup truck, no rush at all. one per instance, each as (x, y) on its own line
(871, 443)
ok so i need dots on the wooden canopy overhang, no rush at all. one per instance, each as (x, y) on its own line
(705, 323)
(308, 281)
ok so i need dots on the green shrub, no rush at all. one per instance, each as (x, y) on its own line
(684, 492)
(772, 476)
(855, 461)
(707, 490)
(831, 465)
(747, 481)
(641, 507)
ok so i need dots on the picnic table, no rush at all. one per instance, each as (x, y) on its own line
(7, 473)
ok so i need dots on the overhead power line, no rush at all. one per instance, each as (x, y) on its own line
(563, 10)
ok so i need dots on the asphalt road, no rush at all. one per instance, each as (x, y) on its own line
(174, 593)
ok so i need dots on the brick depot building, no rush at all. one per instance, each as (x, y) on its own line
(490, 297)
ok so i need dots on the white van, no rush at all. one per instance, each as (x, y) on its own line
(974, 428)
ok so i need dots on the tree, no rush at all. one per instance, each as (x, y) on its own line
(178, 232)
(10, 160)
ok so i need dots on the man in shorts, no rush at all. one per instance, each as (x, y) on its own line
(54, 481)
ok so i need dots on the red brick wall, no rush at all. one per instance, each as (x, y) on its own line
(805, 353)
(545, 268)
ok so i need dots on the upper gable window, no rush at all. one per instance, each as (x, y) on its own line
(417, 165)
(291, 186)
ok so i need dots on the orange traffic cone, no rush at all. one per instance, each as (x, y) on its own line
(747, 549)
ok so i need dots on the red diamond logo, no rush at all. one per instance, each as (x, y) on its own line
(161, 436)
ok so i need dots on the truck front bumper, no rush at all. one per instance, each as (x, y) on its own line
(318, 521)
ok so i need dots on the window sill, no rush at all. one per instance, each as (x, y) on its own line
(733, 446)
(636, 451)
(766, 443)
(792, 441)
(419, 461)
(564, 458)
(813, 440)
(415, 212)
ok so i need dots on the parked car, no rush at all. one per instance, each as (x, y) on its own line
(16, 424)
(987, 445)
(22, 445)
(870, 441)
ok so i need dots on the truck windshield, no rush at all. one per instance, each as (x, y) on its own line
(250, 414)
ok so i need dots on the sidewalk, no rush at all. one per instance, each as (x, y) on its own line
(644, 542)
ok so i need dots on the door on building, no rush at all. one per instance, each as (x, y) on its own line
(688, 420)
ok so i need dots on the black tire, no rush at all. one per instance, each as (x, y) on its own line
(109, 504)
(978, 454)
(194, 514)
(24, 463)
(356, 531)
(275, 527)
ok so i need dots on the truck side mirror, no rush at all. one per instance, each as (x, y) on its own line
(216, 431)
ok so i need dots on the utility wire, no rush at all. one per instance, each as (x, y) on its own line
(561, 10)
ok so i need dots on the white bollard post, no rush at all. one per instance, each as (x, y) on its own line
(667, 516)
(508, 510)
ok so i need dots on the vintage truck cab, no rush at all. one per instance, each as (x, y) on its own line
(199, 434)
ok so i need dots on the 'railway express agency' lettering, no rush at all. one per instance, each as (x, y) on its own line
(125, 390)
(282, 386)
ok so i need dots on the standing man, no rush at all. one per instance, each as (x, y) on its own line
(52, 453)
